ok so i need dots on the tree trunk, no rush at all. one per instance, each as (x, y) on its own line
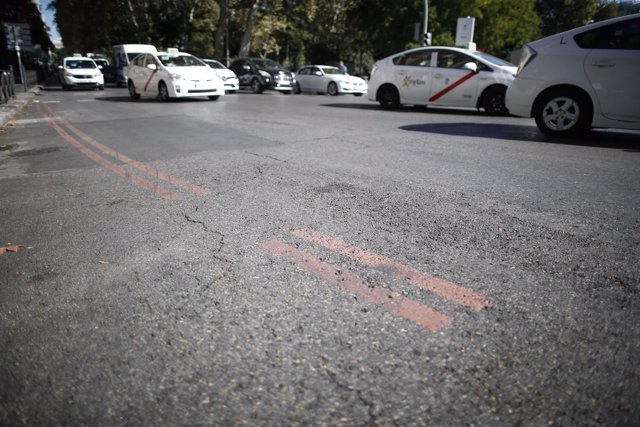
(222, 31)
(245, 46)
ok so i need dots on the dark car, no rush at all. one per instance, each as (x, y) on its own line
(108, 71)
(259, 74)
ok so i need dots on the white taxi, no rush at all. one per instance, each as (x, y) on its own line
(581, 79)
(78, 71)
(172, 74)
(442, 77)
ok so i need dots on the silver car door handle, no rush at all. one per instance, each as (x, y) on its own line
(438, 76)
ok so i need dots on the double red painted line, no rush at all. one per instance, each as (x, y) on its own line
(66, 129)
(402, 306)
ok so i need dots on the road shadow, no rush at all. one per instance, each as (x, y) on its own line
(604, 138)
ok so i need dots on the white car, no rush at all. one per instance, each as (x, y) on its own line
(329, 80)
(583, 78)
(231, 82)
(442, 77)
(78, 71)
(172, 74)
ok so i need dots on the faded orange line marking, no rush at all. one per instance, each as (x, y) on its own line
(445, 289)
(10, 248)
(150, 170)
(117, 169)
(420, 315)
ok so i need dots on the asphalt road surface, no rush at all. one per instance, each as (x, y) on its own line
(313, 260)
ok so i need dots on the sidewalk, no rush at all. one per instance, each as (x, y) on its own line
(9, 110)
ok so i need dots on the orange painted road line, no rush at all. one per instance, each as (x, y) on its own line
(422, 316)
(150, 170)
(117, 169)
(445, 289)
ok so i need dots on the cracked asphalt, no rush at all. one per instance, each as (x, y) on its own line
(273, 260)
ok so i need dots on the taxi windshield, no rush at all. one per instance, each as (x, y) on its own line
(79, 63)
(181, 61)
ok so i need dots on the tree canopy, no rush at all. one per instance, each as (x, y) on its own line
(296, 32)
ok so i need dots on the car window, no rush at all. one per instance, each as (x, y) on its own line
(80, 63)
(267, 63)
(304, 71)
(332, 70)
(180, 61)
(419, 58)
(150, 59)
(138, 60)
(451, 59)
(620, 35)
(215, 64)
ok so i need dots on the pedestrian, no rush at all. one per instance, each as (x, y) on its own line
(342, 67)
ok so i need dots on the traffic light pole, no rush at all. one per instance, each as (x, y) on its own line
(427, 36)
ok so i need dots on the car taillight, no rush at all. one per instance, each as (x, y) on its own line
(528, 53)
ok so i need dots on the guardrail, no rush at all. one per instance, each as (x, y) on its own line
(7, 86)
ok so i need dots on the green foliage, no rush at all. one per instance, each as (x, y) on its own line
(297, 32)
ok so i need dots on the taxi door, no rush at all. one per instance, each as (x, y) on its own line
(412, 73)
(453, 85)
(613, 68)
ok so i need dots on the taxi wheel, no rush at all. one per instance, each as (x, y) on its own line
(332, 89)
(163, 91)
(214, 97)
(563, 112)
(132, 91)
(388, 97)
(493, 101)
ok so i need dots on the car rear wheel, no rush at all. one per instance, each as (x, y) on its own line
(256, 87)
(296, 88)
(332, 89)
(388, 97)
(563, 112)
(214, 97)
(132, 91)
(493, 101)
(163, 91)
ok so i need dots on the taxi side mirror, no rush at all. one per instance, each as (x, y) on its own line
(471, 66)
(153, 67)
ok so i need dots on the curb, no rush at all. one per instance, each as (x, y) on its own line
(11, 109)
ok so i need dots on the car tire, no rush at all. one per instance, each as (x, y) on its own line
(493, 101)
(101, 87)
(132, 91)
(256, 86)
(296, 88)
(388, 96)
(563, 112)
(357, 94)
(163, 91)
(214, 97)
(332, 89)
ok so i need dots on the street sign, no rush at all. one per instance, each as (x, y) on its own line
(18, 37)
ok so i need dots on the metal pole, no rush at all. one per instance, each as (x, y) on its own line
(16, 38)
(426, 23)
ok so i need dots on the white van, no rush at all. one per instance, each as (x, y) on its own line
(122, 56)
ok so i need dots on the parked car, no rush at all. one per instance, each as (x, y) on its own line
(172, 74)
(442, 76)
(580, 79)
(107, 70)
(329, 80)
(231, 82)
(260, 74)
(80, 71)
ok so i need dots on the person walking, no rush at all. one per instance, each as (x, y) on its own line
(342, 67)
